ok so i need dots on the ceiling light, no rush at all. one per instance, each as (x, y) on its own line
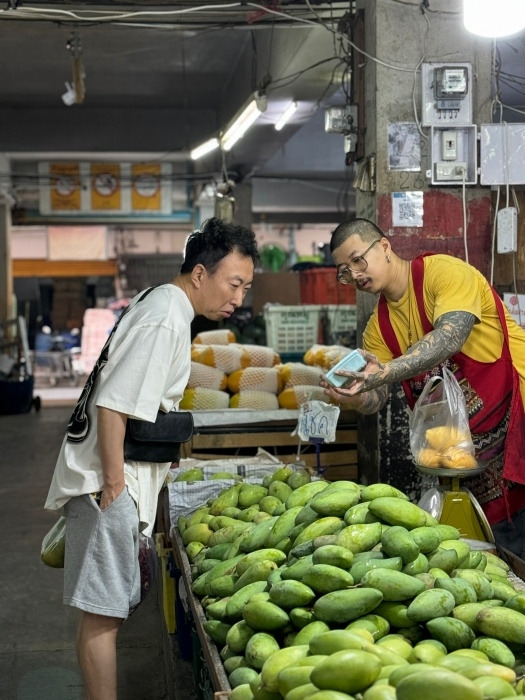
(242, 122)
(204, 148)
(494, 18)
(286, 116)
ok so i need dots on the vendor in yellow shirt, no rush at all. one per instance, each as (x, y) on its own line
(435, 311)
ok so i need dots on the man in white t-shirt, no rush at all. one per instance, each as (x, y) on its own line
(108, 501)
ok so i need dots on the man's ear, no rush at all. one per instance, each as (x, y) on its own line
(197, 274)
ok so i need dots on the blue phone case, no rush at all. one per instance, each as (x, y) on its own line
(354, 362)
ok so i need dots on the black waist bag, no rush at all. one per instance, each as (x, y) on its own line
(159, 441)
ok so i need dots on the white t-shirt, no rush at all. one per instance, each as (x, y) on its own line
(148, 366)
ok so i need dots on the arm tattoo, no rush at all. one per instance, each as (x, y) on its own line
(373, 401)
(448, 337)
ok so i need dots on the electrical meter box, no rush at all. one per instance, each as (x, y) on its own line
(446, 94)
(340, 119)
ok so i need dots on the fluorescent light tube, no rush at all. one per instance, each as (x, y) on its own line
(494, 18)
(204, 148)
(286, 116)
(241, 124)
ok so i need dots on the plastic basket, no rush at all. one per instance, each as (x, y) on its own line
(343, 317)
(292, 328)
(320, 286)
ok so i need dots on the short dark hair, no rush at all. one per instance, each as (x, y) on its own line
(214, 241)
(367, 231)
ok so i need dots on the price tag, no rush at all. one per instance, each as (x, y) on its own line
(317, 420)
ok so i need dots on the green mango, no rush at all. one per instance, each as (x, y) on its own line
(334, 503)
(502, 623)
(394, 585)
(426, 538)
(265, 616)
(397, 511)
(259, 647)
(334, 555)
(291, 594)
(461, 589)
(381, 490)
(216, 630)
(430, 604)
(238, 600)
(269, 554)
(282, 527)
(360, 537)
(360, 513)
(360, 568)
(346, 605)
(324, 578)
(258, 571)
(451, 632)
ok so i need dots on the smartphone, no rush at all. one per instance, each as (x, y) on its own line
(353, 362)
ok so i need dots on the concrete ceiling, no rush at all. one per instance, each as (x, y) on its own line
(161, 77)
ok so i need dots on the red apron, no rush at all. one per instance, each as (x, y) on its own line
(490, 388)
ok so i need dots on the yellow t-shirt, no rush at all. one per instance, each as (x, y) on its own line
(450, 284)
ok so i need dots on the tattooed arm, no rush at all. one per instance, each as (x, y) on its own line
(367, 402)
(448, 337)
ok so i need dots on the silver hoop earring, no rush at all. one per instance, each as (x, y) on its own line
(387, 258)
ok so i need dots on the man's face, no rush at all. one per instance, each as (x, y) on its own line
(221, 293)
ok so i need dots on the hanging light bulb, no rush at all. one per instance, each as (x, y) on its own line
(494, 18)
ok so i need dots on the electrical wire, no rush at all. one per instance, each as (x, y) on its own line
(416, 70)
(494, 229)
(464, 199)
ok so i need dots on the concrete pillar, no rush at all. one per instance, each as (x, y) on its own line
(242, 213)
(404, 35)
(6, 275)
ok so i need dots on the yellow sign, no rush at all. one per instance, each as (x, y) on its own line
(105, 186)
(145, 192)
(65, 186)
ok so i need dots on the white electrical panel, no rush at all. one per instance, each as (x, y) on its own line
(453, 155)
(507, 230)
(446, 93)
(502, 154)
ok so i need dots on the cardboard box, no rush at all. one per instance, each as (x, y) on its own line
(276, 288)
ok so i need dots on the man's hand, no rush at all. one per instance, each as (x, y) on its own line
(355, 394)
(109, 494)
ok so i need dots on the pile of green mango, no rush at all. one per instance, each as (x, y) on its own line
(330, 591)
(197, 474)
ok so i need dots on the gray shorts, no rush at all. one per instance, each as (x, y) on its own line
(101, 568)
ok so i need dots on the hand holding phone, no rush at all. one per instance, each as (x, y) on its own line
(353, 362)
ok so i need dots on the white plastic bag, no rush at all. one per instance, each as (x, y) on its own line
(54, 545)
(439, 427)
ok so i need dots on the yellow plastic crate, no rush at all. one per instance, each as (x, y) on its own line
(168, 583)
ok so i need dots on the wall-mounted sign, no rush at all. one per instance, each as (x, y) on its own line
(105, 186)
(146, 187)
(65, 187)
(111, 188)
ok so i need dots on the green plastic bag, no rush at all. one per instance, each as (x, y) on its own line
(54, 544)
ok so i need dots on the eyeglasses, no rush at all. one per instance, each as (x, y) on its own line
(357, 264)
